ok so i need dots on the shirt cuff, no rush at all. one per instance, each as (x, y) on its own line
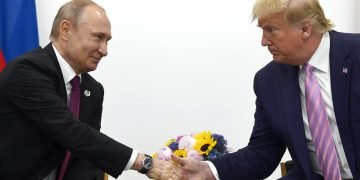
(131, 160)
(213, 170)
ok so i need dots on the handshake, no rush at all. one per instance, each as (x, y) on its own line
(180, 169)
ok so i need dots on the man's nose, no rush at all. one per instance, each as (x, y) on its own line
(103, 48)
(265, 41)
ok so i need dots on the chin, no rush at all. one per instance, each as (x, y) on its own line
(279, 60)
(92, 68)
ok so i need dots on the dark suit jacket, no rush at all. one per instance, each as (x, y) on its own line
(278, 119)
(36, 126)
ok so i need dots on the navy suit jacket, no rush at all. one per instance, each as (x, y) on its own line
(278, 118)
(37, 127)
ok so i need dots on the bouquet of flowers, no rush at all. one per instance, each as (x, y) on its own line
(200, 146)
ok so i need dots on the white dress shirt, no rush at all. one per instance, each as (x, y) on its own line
(321, 61)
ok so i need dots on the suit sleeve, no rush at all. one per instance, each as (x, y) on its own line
(34, 92)
(262, 155)
(80, 169)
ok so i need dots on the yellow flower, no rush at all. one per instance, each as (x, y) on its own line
(204, 142)
(202, 135)
(181, 153)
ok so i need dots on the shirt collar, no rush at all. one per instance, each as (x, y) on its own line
(67, 71)
(320, 59)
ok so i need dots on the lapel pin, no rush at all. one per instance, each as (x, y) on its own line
(344, 70)
(87, 93)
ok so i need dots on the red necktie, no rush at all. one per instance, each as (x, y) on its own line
(320, 127)
(74, 106)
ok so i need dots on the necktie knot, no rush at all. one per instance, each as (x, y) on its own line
(75, 82)
(308, 68)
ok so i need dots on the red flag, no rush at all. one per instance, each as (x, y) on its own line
(2, 61)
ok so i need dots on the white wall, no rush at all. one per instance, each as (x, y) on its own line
(176, 67)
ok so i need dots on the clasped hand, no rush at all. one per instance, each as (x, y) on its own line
(180, 169)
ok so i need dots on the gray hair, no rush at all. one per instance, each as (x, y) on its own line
(71, 11)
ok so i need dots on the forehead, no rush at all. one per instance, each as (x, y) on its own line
(276, 19)
(95, 19)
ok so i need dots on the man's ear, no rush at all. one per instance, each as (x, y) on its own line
(65, 29)
(306, 29)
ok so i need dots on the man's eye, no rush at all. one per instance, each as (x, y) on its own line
(271, 29)
(98, 37)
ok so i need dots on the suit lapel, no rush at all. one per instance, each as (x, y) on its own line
(86, 94)
(340, 71)
(61, 89)
(290, 93)
(87, 86)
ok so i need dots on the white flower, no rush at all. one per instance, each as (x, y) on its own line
(165, 153)
(187, 142)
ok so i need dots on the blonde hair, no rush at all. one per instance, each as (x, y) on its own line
(295, 11)
(71, 11)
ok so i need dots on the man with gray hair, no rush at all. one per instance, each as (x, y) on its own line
(308, 101)
(50, 107)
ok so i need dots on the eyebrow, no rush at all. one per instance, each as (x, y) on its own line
(104, 35)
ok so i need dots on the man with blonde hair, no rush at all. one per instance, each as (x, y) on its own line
(50, 107)
(308, 101)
